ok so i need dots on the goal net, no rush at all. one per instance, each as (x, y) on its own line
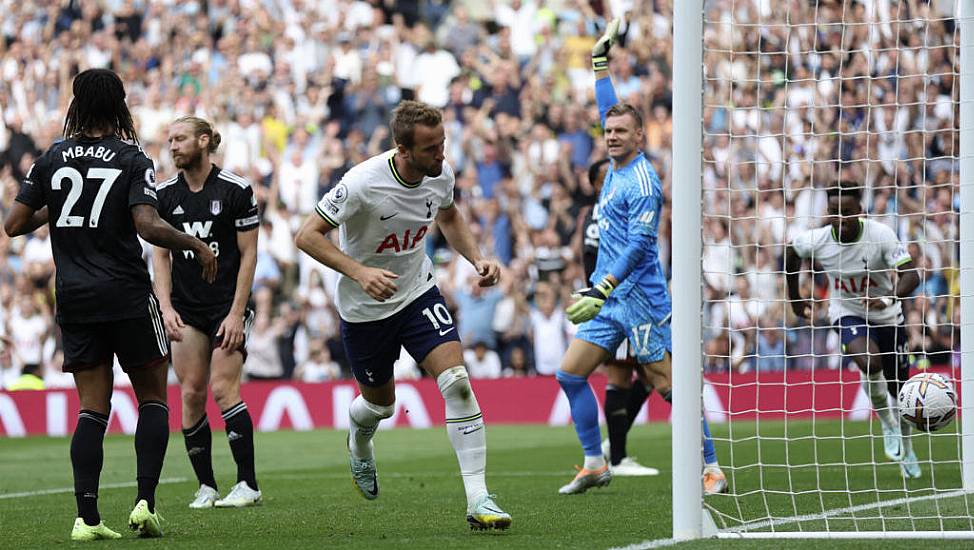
(796, 96)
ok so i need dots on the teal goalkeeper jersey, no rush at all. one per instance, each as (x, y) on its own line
(629, 207)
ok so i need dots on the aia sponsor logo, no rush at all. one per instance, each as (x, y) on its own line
(400, 243)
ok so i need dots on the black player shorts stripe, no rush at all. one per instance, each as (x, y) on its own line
(158, 325)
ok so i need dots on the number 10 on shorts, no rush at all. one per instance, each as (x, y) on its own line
(439, 316)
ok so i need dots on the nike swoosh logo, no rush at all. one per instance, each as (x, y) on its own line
(489, 509)
(467, 432)
(447, 331)
(375, 488)
(384, 218)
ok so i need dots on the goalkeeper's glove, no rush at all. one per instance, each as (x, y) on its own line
(600, 52)
(589, 302)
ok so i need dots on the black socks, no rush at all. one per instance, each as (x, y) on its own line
(240, 434)
(87, 457)
(151, 440)
(199, 447)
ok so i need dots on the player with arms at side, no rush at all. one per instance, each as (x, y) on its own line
(208, 323)
(630, 298)
(387, 296)
(96, 188)
(623, 399)
(859, 255)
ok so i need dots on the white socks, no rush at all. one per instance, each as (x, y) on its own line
(363, 419)
(465, 428)
(875, 387)
(906, 430)
(593, 462)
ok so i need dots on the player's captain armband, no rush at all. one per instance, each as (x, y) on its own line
(247, 221)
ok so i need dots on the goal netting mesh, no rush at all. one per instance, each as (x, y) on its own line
(799, 95)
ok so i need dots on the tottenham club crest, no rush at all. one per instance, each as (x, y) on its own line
(216, 207)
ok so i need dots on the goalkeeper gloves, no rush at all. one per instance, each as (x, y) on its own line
(600, 52)
(589, 302)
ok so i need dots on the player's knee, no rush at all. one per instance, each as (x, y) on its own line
(194, 396)
(570, 381)
(380, 411)
(99, 404)
(455, 381)
(620, 377)
(226, 393)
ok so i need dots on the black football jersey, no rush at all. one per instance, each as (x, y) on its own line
(89, 186)
(215, 214)
(590, 241)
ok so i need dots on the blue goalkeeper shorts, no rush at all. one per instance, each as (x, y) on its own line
(633, 316)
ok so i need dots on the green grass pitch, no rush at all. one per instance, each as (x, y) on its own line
(309, 500)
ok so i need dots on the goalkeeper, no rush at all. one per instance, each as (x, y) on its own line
(629, 297)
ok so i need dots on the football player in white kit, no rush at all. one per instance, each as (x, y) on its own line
(859, 256)
(387, 295)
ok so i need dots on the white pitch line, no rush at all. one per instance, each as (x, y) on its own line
(401, 475)
(120, 485)
(658, 543)
(736, 532)
(838, 512)
(395, 475)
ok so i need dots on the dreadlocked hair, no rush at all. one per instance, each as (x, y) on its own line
(99, 104)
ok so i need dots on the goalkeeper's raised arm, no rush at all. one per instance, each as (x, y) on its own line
(605, 94)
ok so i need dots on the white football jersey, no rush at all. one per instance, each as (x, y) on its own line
(383, 222)
(857, 269)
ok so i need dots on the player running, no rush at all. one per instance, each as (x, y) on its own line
(387, 295)
(858, 255)
(96, 187)
(623, 399)
(628, 281)
(208, 323)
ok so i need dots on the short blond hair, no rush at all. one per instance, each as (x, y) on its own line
(202, 127)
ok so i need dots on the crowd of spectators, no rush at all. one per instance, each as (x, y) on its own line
(302, 90)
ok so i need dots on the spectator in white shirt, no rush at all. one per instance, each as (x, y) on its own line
(482, 362)
(550, 330)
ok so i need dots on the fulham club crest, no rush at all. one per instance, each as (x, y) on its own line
(216, 207)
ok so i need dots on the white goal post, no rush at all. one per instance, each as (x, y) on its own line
(821, 476)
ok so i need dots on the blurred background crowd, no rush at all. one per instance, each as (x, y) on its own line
(302, 90)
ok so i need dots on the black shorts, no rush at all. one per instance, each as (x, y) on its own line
(208, 322)
(373, 347)
(136, 342)
(892, 344)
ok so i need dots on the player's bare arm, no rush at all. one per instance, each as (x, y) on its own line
(232, 328)
(156, 231)
(312, 239)
(907, 280)
(23, 219)
(793, 265)
(162, 283)
(456, 232)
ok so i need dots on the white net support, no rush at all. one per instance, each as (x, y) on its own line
(799, 95)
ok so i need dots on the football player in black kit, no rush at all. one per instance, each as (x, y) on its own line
(623, 398)
(96, 188)
(208, 323)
